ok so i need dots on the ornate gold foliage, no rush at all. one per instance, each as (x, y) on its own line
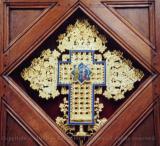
(62, 121)
(81, 36)
(64, 91)
(71, 129)
(42, 74)
(99, 123)
(121, 75)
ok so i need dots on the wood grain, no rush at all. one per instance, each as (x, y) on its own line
(19, 113)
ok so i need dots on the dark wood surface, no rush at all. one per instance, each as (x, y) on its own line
(134, 24)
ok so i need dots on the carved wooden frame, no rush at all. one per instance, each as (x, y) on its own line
(30, 39)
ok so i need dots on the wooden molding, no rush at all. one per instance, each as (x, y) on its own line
(22, 5)
(112, 5)
(34, 35)
(6, 109)
(28, 113)
(134, 125)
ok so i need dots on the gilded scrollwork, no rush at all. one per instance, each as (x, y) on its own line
(71, 129)
(121, 75)
(82, 36)
(62, 121)
(42, 74)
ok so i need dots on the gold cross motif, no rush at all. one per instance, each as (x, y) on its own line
(81, 96)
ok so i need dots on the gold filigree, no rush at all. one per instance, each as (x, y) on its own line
(65, 57)
(98, 90)
(82, 36)
(64, 91)
(71, 129)
(98, 125)
(98, 108)
(62, 121)
(98, 57)
(121, 75)
(42, 74)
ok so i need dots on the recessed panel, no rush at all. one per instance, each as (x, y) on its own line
(16, 134)
(20, 19)
(138, 17)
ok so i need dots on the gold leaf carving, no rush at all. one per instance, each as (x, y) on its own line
(42, 74)
(121, 75)
(82, 36)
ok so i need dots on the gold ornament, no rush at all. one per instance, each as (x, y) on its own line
(42, 74)
(88, 62)
(71, 129)
(121, 75)
(82, 36)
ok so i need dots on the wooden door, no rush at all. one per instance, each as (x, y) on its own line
(25, 25)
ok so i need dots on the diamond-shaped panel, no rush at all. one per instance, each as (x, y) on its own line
(38, 76)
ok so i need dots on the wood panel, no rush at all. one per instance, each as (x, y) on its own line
(143, 135)
(19, 19)
(157, 121)
(156, 63)
(135, 43)
(138, 17)
(14, 131)
(16, 135)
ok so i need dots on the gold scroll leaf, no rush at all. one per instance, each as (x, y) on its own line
(42, 74)
(121, 75)
(82, 36)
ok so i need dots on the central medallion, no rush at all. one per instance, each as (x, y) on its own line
(81, 73)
